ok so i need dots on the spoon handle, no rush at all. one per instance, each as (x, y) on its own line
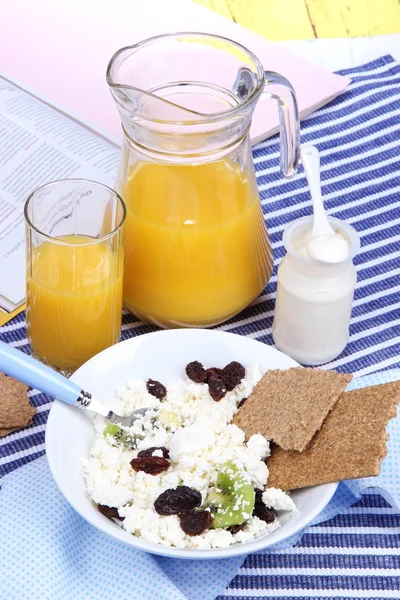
(30, 371)
(311, 164)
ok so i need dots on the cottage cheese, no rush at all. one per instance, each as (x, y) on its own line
(200, 438)
(278, 500)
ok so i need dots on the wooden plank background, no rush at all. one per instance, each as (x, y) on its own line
(308, 19)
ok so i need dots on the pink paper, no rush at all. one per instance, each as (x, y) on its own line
(61, 51)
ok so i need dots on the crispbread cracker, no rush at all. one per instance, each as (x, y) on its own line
(350, 444)
(4, 431)
(289, 406)
(15, 410)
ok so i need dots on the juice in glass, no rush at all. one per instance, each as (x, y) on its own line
(195, 242)
(74, 294)
(74, 271)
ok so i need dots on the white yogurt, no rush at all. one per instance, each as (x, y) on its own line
(314, 299)
(328, 248)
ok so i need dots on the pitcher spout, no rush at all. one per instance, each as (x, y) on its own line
(189, 93)
(174, 90)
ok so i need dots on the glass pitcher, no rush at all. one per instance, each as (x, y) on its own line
(196, 247)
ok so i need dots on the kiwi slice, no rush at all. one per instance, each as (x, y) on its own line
(121, 437)
(111, 429)
(232, 500)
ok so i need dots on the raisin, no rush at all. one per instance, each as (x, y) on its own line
(233, 374)
(149, 451)
(157, 389)
(152, 465)
(196, 522)
(260, 510)
(243, 400)
(179, 500)
(258, 495)
(235, 528)
(110, 512)
(214, 372)
(196, 372)
(217, 388)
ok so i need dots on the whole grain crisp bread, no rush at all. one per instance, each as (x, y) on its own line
(4, 431)
(15, 410)
(289, 406)
(350, 444)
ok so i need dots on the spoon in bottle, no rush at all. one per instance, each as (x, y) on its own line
(324, 244)
(32, 372)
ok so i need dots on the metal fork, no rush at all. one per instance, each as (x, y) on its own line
(32, 372)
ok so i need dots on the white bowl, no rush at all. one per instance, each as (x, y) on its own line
(162, 355)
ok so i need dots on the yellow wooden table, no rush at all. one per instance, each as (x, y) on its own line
(308, 19)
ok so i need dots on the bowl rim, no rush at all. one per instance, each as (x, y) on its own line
(254, 545)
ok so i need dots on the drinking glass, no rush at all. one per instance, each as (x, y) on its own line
(74, 270)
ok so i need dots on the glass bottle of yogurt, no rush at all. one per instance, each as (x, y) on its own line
(314, 299)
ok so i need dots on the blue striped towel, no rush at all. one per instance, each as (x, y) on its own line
(358, 138)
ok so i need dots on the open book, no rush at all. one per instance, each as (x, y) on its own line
(39, 145)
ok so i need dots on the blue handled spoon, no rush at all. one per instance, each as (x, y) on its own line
(32, 372)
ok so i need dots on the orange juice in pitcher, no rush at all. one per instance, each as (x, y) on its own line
(195, 242)
(196, 247)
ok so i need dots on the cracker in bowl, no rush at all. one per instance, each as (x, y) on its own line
(289, 406)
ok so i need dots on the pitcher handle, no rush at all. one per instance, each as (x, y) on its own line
(289, 123)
